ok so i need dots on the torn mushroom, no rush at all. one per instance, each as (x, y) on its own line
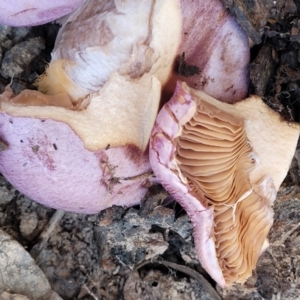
(88, 159)
(223, 163)
(82, 146)
(202, 55)
(207, 58)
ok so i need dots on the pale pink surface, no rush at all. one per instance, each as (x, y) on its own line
(47, 161)
(162, 159)
(34, 12)
(215, 43)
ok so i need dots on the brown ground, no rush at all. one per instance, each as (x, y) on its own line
(147, 252)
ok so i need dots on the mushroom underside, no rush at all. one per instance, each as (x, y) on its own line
(214, 153)
(215, 156)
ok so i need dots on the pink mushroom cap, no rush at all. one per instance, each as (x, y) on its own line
(34, 12)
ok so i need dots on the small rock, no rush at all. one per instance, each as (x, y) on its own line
(19, 56)
(6, 195)
(19, 273)
(7, 44)
(17, 87)
(28, 224)
(4, 32)
(20, 33)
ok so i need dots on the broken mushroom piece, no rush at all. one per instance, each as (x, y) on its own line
(223, 163)
(85, 158)
(199, 37)
(128, 37)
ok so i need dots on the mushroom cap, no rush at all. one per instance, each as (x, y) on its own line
(223, 163)
(49, 163)
(34, 12)
(81, 161)
(207, 59)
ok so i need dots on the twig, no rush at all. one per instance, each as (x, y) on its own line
(45, 235)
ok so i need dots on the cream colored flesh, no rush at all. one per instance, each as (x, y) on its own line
(122, 108)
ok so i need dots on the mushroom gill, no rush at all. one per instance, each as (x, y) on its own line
(223, 163)
(215, 156)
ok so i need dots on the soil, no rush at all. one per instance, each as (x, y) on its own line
(147, 252)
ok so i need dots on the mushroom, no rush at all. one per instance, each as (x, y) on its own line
(34, 12)
(207, 58)
(80, 142)
(224, 164)
(82, 148)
